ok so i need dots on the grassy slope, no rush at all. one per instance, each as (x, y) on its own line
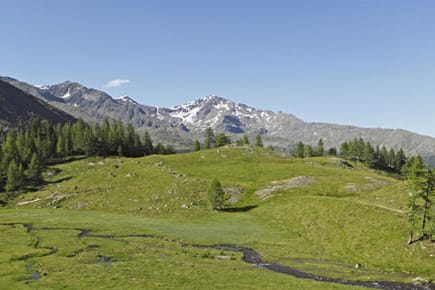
(346, 216)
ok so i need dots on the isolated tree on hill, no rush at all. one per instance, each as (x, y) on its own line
(258, 141)
(421, 211)
(216, 195)
(196, 146)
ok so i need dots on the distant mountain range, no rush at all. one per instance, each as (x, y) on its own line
(183, 124)
(18, 106)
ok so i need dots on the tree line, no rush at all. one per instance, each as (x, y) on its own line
(378, 157)
(25, 151)
(212, 140)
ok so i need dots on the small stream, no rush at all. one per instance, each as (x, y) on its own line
(250, 256)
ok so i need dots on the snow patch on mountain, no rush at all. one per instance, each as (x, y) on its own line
(127, 99)
(67, 94)
(42, 87)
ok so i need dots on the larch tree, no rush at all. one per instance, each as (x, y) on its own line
(209, 138)
(196, 146)
(216, 195)
(258, 141)
(421, 181)
(320, 150)
(299, 152)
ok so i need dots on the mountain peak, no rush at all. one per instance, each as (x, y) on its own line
(127, 99)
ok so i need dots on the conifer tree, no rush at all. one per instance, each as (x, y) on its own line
(216, 195)
(299, 152)
(8, 150)
(14, 176)
(159, 149)
(196, 146)
(209, 138)
(320, 150)
(332, 151)
(34, 170)
(258, 141)
(421, 211)
(344, 150)
(399, 161)
(245, 140)
(308, 151)
(222, 139)
(148, 144)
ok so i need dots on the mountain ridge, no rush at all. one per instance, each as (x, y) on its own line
(182, 124)
(17, 106)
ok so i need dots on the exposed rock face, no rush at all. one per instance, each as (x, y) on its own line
(183, 124)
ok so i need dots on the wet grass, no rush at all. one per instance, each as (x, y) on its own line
(347, 216)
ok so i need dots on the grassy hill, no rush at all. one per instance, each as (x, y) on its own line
(133, 223)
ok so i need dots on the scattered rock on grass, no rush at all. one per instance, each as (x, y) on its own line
(294, 182)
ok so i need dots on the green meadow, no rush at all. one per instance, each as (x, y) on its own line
(321, 215)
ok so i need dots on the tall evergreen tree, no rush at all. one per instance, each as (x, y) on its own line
(159, 149)
(8, 151)
(34, 170)
(196, 146)
(344, 150)
(368, 154)
(148, 144)
(14, 176)
(320, 150)
(308, 151)
(299, 152)
(399, 161)
(421, 211)
(245, 140)
(258, 141)
(209, 138)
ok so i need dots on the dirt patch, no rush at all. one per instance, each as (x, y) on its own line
(286, 184)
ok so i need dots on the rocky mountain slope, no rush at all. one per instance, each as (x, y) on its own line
(17, 105)
(184, 123)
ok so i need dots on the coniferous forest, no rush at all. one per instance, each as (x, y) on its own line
(25, 151)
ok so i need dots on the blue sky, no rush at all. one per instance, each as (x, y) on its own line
(369, 63)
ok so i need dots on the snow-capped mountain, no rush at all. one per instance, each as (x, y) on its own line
(225, 115)
(183, 124)
(127, 99)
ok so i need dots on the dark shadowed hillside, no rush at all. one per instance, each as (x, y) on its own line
(17, 105)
